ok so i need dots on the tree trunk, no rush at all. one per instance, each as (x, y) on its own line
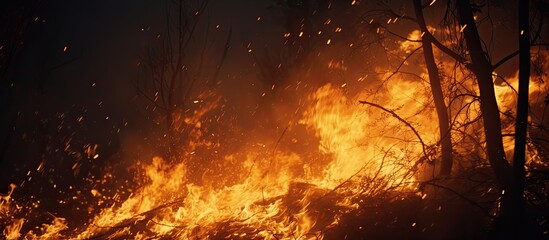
(436, 88)
(507, 225)
(481, 67)
(524, 82)
(519, 157)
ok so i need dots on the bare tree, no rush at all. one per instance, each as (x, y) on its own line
(510, 177)
(472, 53)
(438, 95)
(174, 66)
(521, 122)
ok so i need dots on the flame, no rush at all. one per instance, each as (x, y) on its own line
(273, 194)
(5, 201)
(353, 138)
(270, 192)
(50, 231)
(12, 231)
(506, 96)
(173, 207)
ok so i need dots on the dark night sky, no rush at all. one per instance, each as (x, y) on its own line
(104, 41)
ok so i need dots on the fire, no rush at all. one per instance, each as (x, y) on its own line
(271, 192)
(170, 206)
(268, 192)
(12, 231)
(263, 190)
(506, 96)
(354, 138)
(276, 195)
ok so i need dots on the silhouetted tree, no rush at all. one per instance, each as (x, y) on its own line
(176, 66)
(438, 95)
(510, 177)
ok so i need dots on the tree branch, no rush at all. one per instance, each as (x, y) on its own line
(423, 145)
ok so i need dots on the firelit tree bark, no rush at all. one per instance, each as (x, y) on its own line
(521, 121)
(482, 69)
(507, 226)
(438, 96)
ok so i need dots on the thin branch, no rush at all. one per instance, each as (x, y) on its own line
(402, 63)
(400, 36)
(446, 50)
(505, 59)
(423, 145)
(223, 56)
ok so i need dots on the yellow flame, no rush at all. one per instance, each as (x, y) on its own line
(12, 230)
(269, 194)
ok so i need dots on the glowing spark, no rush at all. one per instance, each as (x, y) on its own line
(463, 28)
(353, 2)
(432, 2)
(40, 166)
(65, 49)
(95, 193)
(328, 42)
(287, 35)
